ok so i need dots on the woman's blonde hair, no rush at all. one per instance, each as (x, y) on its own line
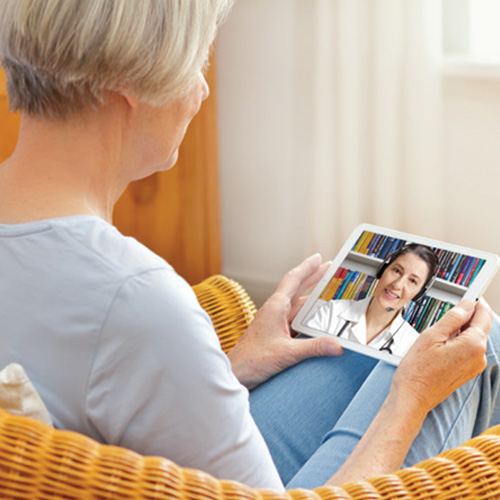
(60, 56)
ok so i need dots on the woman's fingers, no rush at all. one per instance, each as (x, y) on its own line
(302, 277)
(314, 348)
(446, 356)
(292, 284)
(480, 323)
(314, 278)
(472, 339)
(296, 307)
(452, 321)
(467, 322)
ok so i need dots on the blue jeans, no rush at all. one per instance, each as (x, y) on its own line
(313, 414)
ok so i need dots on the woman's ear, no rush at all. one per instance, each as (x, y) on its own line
(130, 99)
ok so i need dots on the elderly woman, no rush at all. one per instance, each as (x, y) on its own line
(112, 337)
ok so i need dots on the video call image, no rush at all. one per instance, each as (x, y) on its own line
(382, 294)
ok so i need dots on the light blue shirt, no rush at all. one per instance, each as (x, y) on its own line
(119, 348)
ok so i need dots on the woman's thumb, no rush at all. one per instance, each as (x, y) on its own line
(317, 347)
(456, 318)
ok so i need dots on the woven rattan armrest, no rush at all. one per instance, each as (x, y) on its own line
(38, 462)
(229, 306)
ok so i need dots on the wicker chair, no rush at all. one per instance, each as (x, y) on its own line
(38, 462)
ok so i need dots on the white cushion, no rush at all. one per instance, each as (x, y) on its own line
(19, 397)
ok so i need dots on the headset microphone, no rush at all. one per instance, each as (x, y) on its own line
(394, 308)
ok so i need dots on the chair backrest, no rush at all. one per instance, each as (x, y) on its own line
(229, 306)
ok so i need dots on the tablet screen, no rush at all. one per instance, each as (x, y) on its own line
(385, 287)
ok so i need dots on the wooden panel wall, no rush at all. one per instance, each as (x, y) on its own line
(9, 123)
(174, 213)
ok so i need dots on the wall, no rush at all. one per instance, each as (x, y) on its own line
(266, 143)
(471, 149)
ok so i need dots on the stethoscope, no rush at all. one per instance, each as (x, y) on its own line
(388, 343)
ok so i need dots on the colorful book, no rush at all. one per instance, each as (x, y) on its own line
(384, 250)
(334, 283)
(352, 279)
(476, 271)
(364, 247)
(373, 243)
(361, 240)
(465, 269)
(451, 266)
(366, 288)
(342, 287)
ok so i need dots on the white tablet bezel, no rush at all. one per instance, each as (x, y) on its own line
(453, 293)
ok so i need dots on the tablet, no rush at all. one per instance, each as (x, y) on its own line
(385, 287)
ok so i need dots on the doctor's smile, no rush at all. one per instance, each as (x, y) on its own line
(391, 295)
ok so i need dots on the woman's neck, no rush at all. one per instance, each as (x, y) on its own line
(377, 320)
(62, 168)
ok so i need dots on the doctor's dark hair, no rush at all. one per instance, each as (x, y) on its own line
(421, 251)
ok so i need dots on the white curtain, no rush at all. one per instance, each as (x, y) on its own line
(377, 118)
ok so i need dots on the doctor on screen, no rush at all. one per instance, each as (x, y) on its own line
(378, 321)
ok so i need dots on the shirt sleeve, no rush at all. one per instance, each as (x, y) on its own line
(161, 385)
(323, 317)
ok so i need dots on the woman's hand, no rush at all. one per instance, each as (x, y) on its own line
(445, 356)
(267, 347)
